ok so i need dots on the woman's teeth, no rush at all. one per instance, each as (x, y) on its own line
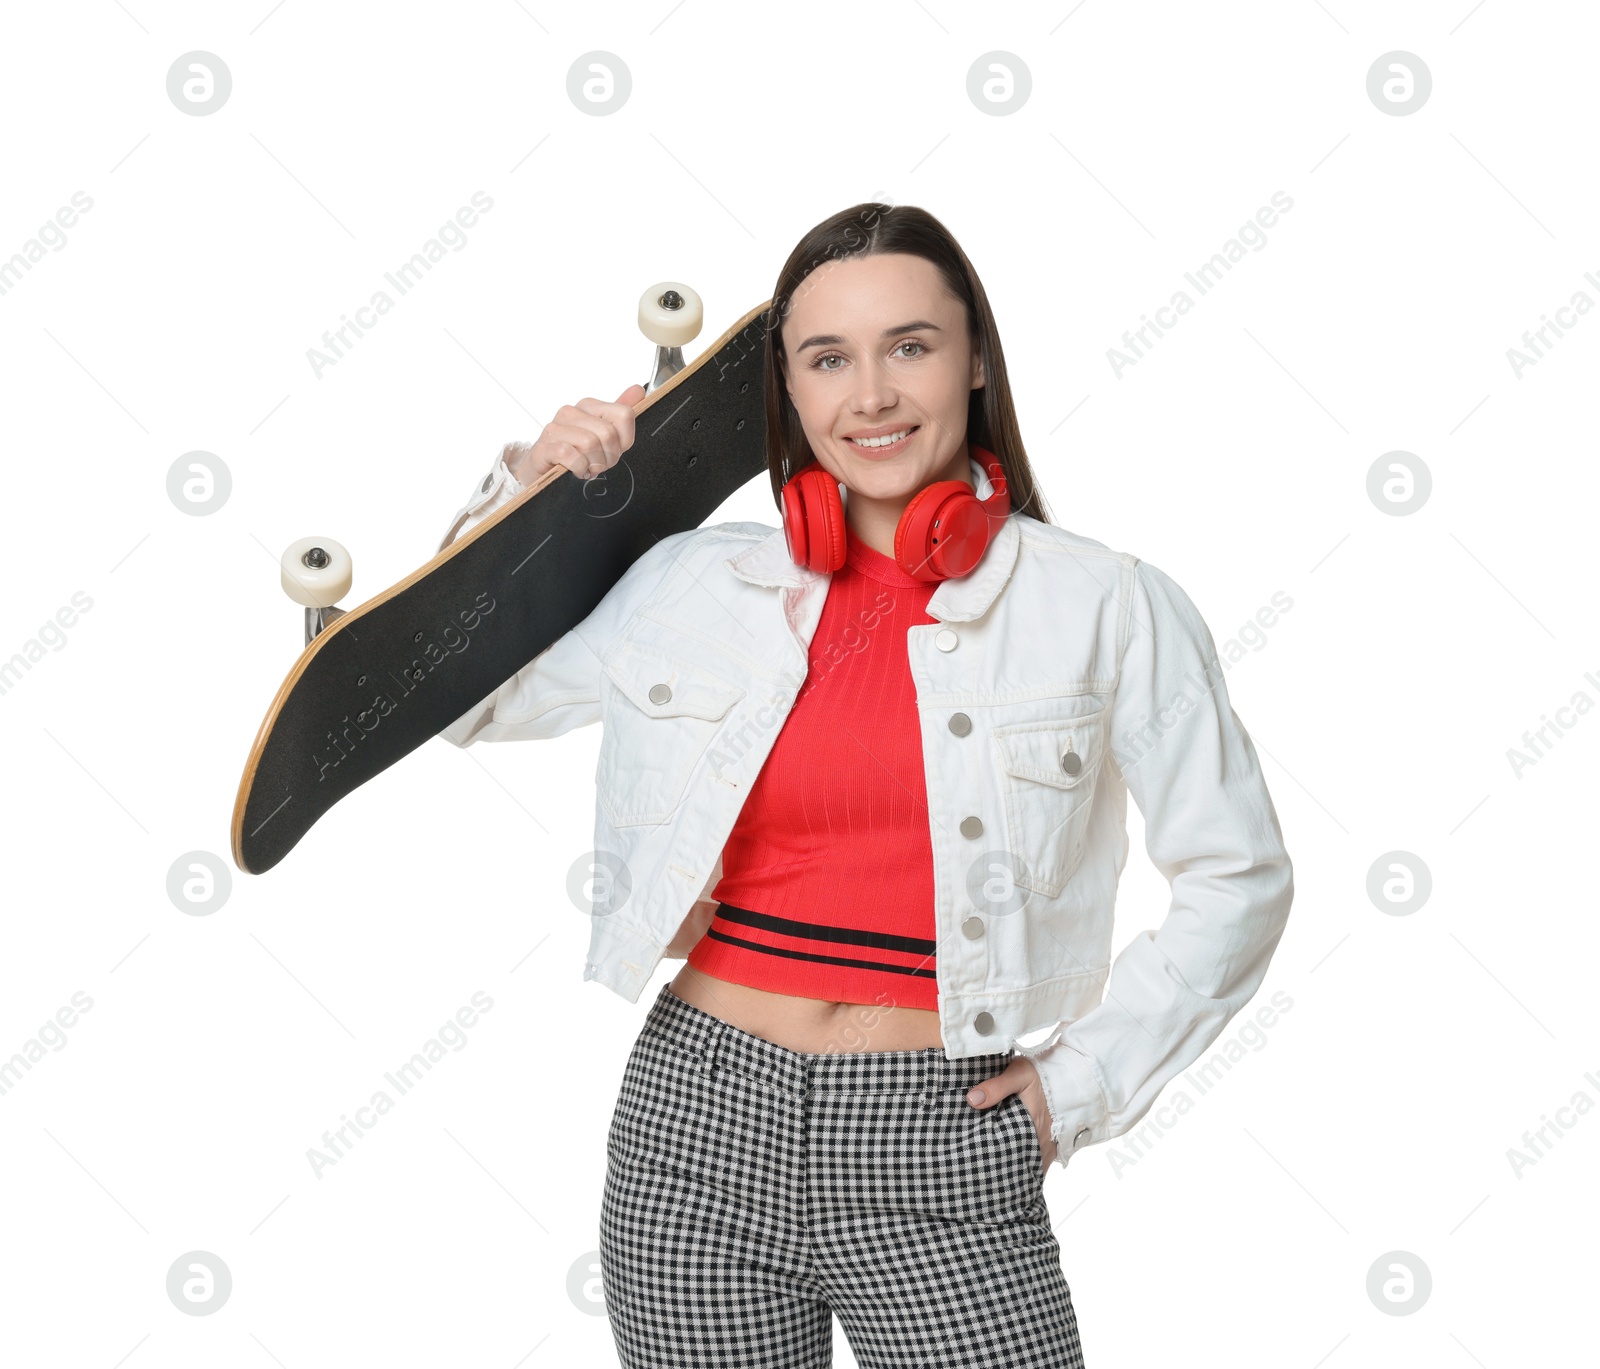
(887, 440)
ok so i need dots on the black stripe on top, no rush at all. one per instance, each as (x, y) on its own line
(822, 931)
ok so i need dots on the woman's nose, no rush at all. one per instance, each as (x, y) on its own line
(871, 393)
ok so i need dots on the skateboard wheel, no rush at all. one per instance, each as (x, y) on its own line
(670, 314)
(316, 572)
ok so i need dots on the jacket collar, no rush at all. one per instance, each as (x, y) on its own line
(956, 600)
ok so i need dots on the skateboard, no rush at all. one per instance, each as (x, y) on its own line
(376, 681)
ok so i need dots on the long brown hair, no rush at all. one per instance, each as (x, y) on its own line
(866, 230)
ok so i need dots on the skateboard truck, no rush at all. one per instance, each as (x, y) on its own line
(316, 574)
(670, 315)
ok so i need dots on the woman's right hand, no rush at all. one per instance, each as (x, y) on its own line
(587, 438)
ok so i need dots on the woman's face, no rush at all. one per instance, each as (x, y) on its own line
(877, 346)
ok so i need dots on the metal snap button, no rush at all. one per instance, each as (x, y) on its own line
(960, 724)
(983, 1024)
(972, 827)
(945, 640)
(1072, 763)
(1080, 1138)
(972, 928)
(659, 693)
(487, 481)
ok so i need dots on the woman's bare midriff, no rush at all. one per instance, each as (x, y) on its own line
(809, 1025)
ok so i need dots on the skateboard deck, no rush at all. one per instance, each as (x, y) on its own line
(382, 679)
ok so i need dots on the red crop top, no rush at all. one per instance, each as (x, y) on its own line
(827, 877)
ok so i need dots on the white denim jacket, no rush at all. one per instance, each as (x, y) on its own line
(1060, 676)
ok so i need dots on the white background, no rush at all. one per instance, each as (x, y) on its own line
(1375, 1115)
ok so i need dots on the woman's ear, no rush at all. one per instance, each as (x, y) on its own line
(978, 381)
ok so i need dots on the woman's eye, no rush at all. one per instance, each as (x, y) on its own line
(826, 356)
(912, 342)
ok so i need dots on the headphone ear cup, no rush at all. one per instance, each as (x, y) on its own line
(824, 521)
(813, 519)
(911, 553)
(914, 547)
(794, 522)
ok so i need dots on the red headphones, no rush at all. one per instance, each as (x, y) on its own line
(943, 531)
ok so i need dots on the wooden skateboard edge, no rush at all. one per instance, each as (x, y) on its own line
(247, 779)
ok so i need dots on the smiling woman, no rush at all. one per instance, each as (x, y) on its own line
(868, 772)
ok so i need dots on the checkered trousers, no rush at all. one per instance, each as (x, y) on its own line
(753, 1193)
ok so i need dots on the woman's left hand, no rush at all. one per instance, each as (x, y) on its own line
(1020, 1076)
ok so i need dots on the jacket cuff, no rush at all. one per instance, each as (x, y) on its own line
(1079, 1116)
(620, 957)
(497, 488)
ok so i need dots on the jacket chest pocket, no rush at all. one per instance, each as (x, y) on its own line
(1048, 775)
(659, 714)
